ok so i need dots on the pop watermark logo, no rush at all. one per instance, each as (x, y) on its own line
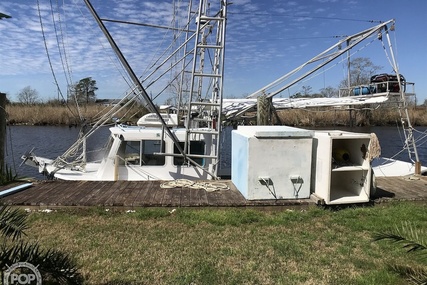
(22, 273)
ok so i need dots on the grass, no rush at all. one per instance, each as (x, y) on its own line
(48, 114)
(230, 246)
(317, 117)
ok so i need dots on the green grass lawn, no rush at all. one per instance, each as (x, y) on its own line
(231, 246)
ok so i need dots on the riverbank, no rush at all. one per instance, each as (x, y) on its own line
(337, 117)
(55, 115)
(44, 114)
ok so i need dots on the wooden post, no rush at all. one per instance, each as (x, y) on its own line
(351, 117)
(417, 168)
(2, 128)
(263, 110)
(116, 167)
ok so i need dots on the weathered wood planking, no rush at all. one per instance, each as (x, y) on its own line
(401, 188)
(150, 194)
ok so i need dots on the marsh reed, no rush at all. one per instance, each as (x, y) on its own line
(46, 114)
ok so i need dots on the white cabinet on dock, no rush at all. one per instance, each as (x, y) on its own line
(341, 167)
(271, 162)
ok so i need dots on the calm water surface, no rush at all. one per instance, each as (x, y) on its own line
(52, 141)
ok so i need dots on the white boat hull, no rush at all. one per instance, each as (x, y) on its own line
(387, 167)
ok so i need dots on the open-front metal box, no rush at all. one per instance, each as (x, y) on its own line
(341, 167)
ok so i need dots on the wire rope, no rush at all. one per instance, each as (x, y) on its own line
(69, 71)
(61, 57)
(48, 54)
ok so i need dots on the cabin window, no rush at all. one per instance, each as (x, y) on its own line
(196, 147)
(141, 152)
(149, 147)
(131, 152)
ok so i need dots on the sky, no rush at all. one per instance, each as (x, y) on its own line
(265, 39)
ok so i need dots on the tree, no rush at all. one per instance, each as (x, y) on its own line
(329, 92)
(84, 91)
(361, 70)
(28, 96)
(304, 93)
(177, 87)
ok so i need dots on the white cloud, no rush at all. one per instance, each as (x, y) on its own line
(266, 37)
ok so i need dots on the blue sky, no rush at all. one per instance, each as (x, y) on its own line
(265, 40)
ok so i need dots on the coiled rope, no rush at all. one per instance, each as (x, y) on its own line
(208, 186)
(374, 147)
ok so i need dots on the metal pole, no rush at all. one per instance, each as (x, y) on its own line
(2, 128)
(2, 116)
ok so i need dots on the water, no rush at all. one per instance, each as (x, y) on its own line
(52, 141)
(47, 141)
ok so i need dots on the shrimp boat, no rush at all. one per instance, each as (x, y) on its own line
(170, 143)
(165, 144)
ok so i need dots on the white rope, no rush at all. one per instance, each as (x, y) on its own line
(208, 186)
(374, 149)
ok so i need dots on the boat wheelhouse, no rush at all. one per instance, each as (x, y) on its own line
(140, 153)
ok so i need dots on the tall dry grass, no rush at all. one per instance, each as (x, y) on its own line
(45, 114)
(338, 117)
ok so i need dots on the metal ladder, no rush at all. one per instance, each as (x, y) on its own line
(204, 116)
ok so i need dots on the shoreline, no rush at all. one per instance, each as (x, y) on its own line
(61, 115)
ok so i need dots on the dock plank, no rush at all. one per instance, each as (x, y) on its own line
(97, 188)
(185, 197)
(23, 196)
(76, 194)
(149, 193)
(172, 197)
(127, 194)
(28, 196)
(130, 199)
(49, 194)
(102, 196)
(117, 197)
(142, 197)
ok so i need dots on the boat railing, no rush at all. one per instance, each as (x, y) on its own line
(386, 88)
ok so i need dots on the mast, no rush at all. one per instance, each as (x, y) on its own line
(405, 118)
(204, 27)
(136, 81)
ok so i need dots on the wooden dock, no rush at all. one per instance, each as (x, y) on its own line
(132, 194)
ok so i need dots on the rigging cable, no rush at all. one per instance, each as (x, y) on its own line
(63, 41)
(48, 55)
(385, 51)
(118, 67)
(58, 42)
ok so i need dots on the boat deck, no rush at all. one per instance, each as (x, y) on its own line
(132, 194)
